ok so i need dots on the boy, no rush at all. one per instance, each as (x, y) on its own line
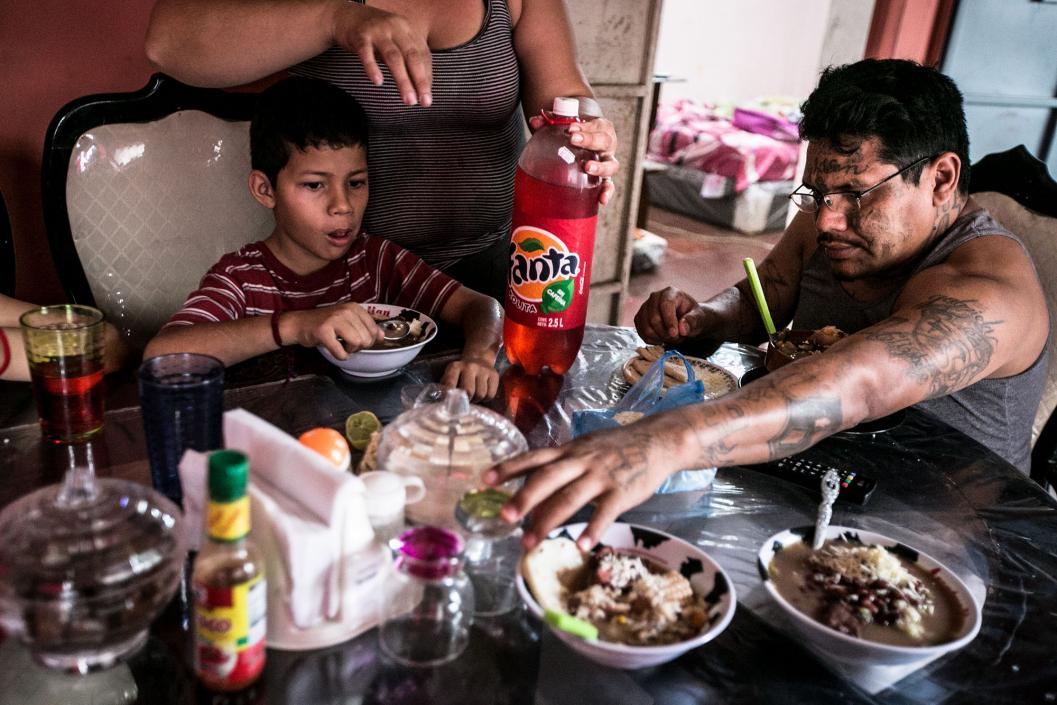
(303, 285)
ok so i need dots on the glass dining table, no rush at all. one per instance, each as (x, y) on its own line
(937, 491)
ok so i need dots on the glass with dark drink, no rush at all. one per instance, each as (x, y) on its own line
(64, 347)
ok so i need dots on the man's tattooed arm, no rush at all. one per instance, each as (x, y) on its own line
(947, 346)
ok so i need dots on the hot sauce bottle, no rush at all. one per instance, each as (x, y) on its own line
(229, 587)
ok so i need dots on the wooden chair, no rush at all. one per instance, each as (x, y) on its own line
(1021, 194)
(143, 192)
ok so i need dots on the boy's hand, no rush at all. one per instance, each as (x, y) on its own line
(323, 326)
(476, 375)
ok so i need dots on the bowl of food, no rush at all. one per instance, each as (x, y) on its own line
(407, 333)
(866, 598)
(644, 596)
(788, 345)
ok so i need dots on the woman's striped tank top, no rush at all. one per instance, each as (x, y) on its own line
(441, 178)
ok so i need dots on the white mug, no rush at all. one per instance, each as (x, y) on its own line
(387, 494)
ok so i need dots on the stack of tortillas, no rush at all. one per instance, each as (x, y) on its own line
(674, 369)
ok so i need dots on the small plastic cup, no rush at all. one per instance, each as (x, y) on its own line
(182, 400)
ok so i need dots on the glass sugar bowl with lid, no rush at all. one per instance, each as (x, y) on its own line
(86, 566)
(449, 444)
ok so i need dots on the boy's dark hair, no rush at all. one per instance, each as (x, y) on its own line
(298, 113)
(914, 111)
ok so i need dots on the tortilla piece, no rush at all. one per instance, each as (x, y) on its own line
(542, 567)
(676, 370)
(650, 352)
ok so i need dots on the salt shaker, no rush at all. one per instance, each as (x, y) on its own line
(387, 494)
(428, 607)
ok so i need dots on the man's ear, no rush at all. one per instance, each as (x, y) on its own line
(261, 189)
(948, 170)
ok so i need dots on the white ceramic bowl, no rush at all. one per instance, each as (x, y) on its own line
(386, 361)
(706, 578)
(852, 649)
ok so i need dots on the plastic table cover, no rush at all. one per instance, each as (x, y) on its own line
(938, 491)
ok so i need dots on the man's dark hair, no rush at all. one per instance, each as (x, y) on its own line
(914, 111)
(298, 113)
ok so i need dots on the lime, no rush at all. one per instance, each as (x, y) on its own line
(359, 427)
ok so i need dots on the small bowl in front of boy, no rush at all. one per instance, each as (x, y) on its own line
(387, 356)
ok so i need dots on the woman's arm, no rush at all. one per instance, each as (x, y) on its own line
(220, 43)
(546, 50)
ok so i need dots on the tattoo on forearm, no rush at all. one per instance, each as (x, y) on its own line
(808, 419)
(947, 347)
(627, 462)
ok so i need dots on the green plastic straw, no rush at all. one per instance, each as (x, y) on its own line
(757, 293)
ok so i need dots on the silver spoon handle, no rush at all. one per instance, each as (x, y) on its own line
(830, 490)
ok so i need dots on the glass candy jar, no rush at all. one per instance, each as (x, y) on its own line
(428, 607)
(86, 566)
(449, 444)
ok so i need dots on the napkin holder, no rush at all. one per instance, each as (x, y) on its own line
(324, 568)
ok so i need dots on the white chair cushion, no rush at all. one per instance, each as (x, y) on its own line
(1039, 234)
(152, 206)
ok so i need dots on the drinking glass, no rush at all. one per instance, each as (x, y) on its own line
(182, 400)
(64, 347)
(490, 570)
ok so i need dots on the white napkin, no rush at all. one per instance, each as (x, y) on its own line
(311, 515)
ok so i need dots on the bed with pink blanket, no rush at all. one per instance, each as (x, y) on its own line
(729, 167)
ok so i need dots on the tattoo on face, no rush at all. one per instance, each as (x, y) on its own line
(947, 346)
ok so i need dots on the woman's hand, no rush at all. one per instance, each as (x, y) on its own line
(374, 34)
(597, 135)
(477, 376)
(614, 469)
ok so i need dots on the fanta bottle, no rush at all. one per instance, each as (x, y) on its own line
(551, 243)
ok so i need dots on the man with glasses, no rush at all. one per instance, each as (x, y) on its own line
(941, 303)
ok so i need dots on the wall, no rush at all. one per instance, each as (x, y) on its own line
(52, 51)
(738, 50)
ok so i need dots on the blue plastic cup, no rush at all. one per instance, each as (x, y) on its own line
(182, 401)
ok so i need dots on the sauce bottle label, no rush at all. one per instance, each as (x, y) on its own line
(228, 521)
(549, 273)
(229, 628)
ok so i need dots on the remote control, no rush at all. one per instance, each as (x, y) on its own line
(854, 487)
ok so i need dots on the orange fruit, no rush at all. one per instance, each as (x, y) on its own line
(330, 444)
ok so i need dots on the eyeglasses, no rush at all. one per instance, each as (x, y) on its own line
(843, 202)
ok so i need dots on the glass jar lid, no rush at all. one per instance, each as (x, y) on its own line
(428, 552)
(451, 433)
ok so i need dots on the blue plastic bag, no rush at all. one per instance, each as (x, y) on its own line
(647, 396)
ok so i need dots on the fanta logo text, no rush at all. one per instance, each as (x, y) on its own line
(543, 268)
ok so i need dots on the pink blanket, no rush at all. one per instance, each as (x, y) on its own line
(754, 146)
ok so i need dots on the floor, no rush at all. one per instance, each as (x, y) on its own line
(701, 259)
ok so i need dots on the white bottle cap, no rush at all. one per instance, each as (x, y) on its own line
(566, 107)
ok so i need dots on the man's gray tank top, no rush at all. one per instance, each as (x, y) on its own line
(996, 412)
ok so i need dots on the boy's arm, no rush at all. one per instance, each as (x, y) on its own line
(481, 320)
(230, 342)
(234, 341)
